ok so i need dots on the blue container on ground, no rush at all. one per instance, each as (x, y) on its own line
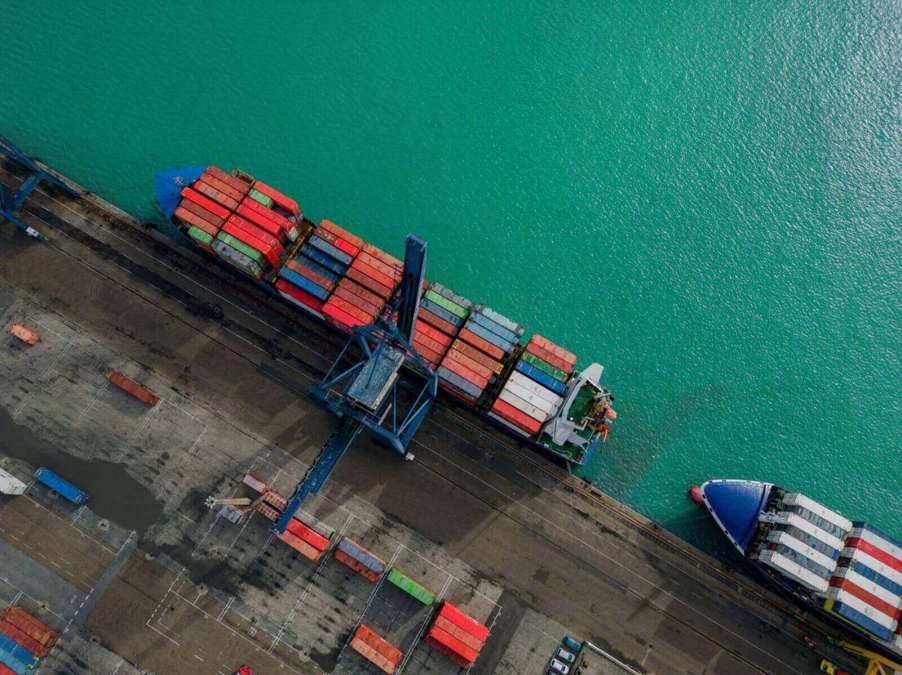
(60, 485)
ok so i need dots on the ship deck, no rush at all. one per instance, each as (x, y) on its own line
(530, 550)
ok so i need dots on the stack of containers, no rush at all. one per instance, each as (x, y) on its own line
(202, 216)
(280, 202)
(441, 315)
(360, 560)
(360, 296)
(458, 636)
(24, 640)
(866, 586)
(478, 354)
(376, 649)
(536, 387)
(411, 586)
(304, 539)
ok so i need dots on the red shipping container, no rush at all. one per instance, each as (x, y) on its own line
(30, 625)
(377, 264)
(299, 545)
(460, 369)
(308, 273)
(464, 620)
(482, 345)
(470, 364)
(341, 317)
(267, 511)
(258, 232)
(338, 242)
(461, 634)
(215, 195)
(432, 333)
(441, 324)
(373, 273)
(279, 199)
(238, 184)
(437, 641)
(208, 204)
(275, 499)
(353, 310)
(269, 251)
(427, 352)
(429, 343)
(478, 356)
(516, 417)
(548, 357)
(196, 221)
(201, 212)
(131, 387)
(353, 239)
(387, 258)
(300, 295)
(268, 213)
(6, 670)
(368, 282)
(362, 570)
(222, 186)
(20, 637)
(373, 656)
(343, 292)
(261, 221)
(545, 343)
(368, 295)
(379, 643)
(24, 334)
(312, 537)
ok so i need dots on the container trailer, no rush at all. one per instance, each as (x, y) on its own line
(532, 390)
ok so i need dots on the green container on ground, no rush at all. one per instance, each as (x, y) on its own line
(546, 368)
(258, 196)
(200, 236)
(408, 585)
(441, 301)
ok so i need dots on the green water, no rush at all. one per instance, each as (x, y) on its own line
(704, 196)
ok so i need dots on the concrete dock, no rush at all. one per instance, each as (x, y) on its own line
(147, 578)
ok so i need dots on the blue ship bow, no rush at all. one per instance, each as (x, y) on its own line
(168, 186)
(735, 506)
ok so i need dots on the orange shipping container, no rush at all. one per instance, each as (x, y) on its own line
(299, 545)
(279, 199)
(131, 387)
(24, 334)
(478, 356)
(194, 220)
(341, 318)
(375, 274)
(204, 202)
(345, 293)
(481, 344)
(215, 195)
(470, 364)
(369, 283)
(222, 186)
(261, 221)
(341, 232)
(315, 539)
(201, 212)
(31, 626)
(238, 184)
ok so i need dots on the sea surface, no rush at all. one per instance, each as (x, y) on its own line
(704, 196)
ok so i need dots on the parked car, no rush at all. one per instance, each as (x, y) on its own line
(572, 644)
(558, 667)
(565, 656)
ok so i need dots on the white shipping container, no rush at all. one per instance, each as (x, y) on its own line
(523, 406)
(532, 398)
(531, 385)
(856, 603)
(793, 570)
(798, 499)
(871, 587)
(802, 548)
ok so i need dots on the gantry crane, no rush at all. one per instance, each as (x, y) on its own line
(366, 388)
(11, 201)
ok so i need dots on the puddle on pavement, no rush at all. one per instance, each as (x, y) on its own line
(113, 493)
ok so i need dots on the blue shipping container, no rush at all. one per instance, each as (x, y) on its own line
(496, 328)
(316, 267)
(501, 320)
(441, 312)
(324, 260)
(362, 556)
(458, 382)
(486, 334)
(55, 482)
(10, 650)
(303, 283)
(545, 380)
(330, 250)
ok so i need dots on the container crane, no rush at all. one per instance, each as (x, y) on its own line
(366, 388)
(11, 201)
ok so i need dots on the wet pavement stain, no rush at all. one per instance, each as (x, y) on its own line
(113, 493)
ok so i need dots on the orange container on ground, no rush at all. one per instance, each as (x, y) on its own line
(24, 334)
(129, 386)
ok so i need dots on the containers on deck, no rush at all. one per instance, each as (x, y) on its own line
(535, 388)
(24, 640)
(376, 649)
(478, 354)
(441, 315)
(61, 486)
(457, 635)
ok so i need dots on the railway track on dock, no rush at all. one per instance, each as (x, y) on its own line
(288, 336)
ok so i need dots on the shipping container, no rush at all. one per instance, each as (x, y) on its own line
(254, 237)
(304, 283)
(307, 271)
(384, 257)
(545, 367)
(441, 312)
(11, 651)
(487, 335)
(356, 565)
(362, 555)
(299, 545)
(470, 364)
(274, 499)
(349, 237)
(369, 283)
(205, 202)
(375, 648)
(482, 345)
(549, 357)
(6, 670)
(330, 250)
(286, 224)
(437, 322)
(370, 271)
(497, 329)
(308, 534)
(500, 319)
(258, 196)
(258, 258)
(24, 334)
(542, 378)
(267, 511)
(285, 203)
(341, 318)
(345, 291)
(449, 377)
(233, 181)
(192, 220)
(237, 258)
(451, 295)
(60, 485)
(262, 222)
(21, 638)
(411, 586)
(461, 634)
(446, 304)
(214, 194)
(452, 648)
(30, 625)
(326, 261)
(544, 343)
(517, 417)
(254, 482)
(201, 212)
(222, 186)
(339, 243)
(8, 659)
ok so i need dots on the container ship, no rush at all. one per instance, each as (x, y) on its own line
(849, 572)
(531, 387)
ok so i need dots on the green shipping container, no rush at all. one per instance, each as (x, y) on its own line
(236, 258)
(408, 585)
(258, 196)
(241, 247)
(452, 307)
(547, 368)
(200, 236)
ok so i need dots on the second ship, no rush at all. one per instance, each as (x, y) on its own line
(530, 388)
